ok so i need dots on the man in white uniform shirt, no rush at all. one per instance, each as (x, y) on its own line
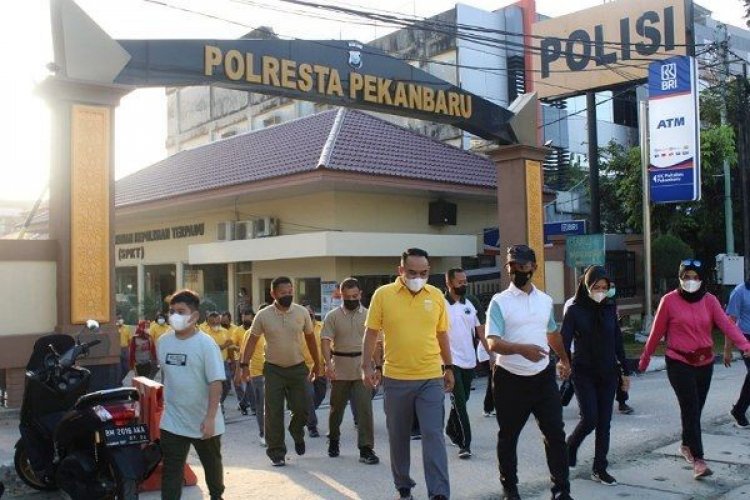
(464, 325)
(521, 328)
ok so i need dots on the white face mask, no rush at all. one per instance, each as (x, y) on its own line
(415, 284)
(120, 322)
(598, 296)
(215, 328)
(160, 321)
(179, 322)
(691, 286)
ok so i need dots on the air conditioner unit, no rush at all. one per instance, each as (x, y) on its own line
(244, 229)
(225, 231)
(266, 226)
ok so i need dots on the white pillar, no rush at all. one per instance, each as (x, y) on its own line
(179, 276)
(141, 288)
(231, 290)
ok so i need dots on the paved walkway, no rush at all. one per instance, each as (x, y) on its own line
(643, 455)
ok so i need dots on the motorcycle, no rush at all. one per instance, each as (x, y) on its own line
(90, 445)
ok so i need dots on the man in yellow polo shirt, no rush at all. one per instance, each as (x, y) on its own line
(257, 382)
(159, 326)
(316, 390)
(236, 334)
(285, 372)
(417, 370)
(221, 337)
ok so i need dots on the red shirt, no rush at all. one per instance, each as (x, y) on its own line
(688, 327)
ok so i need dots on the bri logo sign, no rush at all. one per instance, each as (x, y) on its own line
(669, 76)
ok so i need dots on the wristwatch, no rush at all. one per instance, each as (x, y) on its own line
(448, 367)
(379, 368)
(244, 365)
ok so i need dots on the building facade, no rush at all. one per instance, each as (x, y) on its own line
(341, 193)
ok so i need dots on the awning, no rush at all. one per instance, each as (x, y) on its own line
(331, 244)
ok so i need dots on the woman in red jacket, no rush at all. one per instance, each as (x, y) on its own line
(687, 316)
(142, 351)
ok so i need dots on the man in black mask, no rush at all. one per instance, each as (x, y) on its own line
(343, 329)
(285, 372)
(465, 326)
(521, 328)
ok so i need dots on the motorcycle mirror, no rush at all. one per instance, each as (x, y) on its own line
(92, 325)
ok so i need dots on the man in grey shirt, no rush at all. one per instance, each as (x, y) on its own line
(193, 375)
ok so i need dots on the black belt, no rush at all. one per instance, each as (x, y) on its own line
(347, 354)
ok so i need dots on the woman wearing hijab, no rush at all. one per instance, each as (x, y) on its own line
(687, 316)
(591, 321)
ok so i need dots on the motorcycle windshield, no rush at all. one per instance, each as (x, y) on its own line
(59, 341)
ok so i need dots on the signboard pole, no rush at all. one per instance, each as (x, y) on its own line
(647, 285)
(728, 215)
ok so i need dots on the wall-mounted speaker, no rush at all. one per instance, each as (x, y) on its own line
(443, 213)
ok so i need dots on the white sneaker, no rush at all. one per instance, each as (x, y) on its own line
(263, 442)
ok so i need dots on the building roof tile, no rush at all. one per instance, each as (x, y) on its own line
(343, 140)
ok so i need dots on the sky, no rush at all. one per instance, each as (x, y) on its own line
(140, 120)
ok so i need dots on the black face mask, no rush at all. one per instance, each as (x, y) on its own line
(460, 290)
(247, 324)
(285, 301)
(351, 304)
(520, 278)
(225, 325)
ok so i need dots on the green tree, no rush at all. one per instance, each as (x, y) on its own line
(699, 224)
(668, 251)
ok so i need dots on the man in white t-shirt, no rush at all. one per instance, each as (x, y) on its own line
(193, 373)
(464, 325)
(520, 328)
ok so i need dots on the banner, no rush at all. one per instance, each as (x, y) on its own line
(585, 250)
(607, 45)
(674, 128)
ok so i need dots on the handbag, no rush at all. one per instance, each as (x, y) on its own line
(698, 356)
(566, 392)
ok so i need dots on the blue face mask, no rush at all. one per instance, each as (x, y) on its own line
(611, 292)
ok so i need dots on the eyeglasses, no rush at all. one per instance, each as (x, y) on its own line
(691, 262)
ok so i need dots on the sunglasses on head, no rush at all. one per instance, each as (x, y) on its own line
(691, 262)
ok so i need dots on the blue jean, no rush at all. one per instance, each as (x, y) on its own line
(316, 393)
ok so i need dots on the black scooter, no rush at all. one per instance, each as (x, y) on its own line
(92, 446)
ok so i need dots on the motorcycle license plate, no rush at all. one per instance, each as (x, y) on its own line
(126, 435)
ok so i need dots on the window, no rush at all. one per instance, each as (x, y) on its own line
(308, 291)
(211, 283)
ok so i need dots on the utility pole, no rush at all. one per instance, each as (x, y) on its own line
(723, 44)
(593, 154)
(744, 158)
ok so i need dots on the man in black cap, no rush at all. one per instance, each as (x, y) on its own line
(520, 329)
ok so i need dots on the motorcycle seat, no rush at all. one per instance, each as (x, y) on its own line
(106, 396)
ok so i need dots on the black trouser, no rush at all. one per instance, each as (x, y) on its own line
(595, 394)
(489, 402)
(516, 398)
(690, 384)
(620, 396)
(144, 369)
(744, 401)
(175, 450)
(458, 428)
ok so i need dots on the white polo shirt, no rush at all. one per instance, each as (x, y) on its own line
(463, 322)
(522, 318)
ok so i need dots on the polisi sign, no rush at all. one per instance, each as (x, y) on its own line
(606, 45)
